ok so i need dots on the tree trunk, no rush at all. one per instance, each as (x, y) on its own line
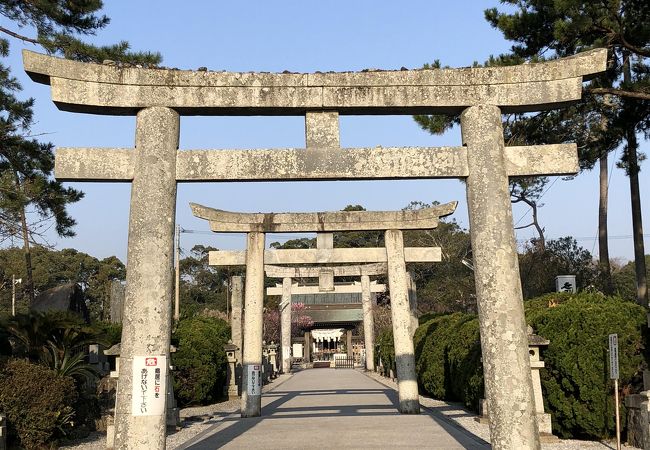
(603, 245)
(29, 285)
(635, 197)
(637, 224)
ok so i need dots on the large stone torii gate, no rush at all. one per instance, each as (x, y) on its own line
(256, 225)
(158, 97)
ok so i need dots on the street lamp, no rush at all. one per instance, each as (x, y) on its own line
(14, 282)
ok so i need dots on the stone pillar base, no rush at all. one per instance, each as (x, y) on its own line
(544, 424)
(110, 436)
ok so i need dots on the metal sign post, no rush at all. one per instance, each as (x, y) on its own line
(613, 374)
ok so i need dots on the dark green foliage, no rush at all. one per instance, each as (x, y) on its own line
(38, 403)
(200, 360)
(576, 384)
(108, 333)
(202, 286)
(54, 339)
(539, 267)
(448, 358)
(52, 268)
(385, 350)
(447, 286)
(625, 279)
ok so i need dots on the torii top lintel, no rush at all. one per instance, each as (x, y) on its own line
(109, 89)
(233, 222)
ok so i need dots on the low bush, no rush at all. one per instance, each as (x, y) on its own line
(577, 390)
(385, 351)
(38, 403)
(448, 358)
(200, 360)
(575, 381)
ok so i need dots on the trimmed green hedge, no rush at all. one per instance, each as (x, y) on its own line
(38, 403)
(576, 385)
(385, 350)
(448, 358)
(200, 360)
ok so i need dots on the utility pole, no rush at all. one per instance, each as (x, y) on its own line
(14, 282)
(177, 311)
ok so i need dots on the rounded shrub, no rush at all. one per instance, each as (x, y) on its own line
(200, 360)
(37, 401)
(448, 358)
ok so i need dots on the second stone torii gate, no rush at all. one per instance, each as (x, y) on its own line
(394, 254)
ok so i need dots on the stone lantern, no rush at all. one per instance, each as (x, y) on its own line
(273, 361)
(535, 343)
(231, 389)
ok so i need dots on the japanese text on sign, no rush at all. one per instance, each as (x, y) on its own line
(254, 380)
(613, 356)
(149, 385)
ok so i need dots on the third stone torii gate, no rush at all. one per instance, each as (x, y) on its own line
(364, 271)
(256, 225)
(157, 97)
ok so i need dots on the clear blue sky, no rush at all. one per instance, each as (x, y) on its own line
(304, 36)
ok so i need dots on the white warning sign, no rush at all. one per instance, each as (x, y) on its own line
(254, 380)
(149, 385)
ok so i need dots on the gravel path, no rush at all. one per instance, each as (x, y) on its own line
(456, 413)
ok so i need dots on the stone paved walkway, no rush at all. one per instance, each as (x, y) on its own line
(329, 408)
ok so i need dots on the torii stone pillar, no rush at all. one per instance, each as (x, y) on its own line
(508, 383)
(368, 323)
(236, 303)
(409, 400)
(146, 320)
(413, 302)
(251, 405)
(285, 325)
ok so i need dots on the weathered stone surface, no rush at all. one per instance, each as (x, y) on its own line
(333, 256)
(236, 304)
(338, 289)
(506, 364)
(409, 400)
(232, 222)
(533, 160)
(254, 300)
(146, 321)
(322, 129)
(368, 323)
(106, 89)
(285, 324)
(325, 163)
(100, 164)
(372, 269)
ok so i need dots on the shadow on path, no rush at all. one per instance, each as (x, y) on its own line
(306, 417)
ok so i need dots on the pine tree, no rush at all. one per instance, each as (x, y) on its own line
(26, 165)
(616, 106)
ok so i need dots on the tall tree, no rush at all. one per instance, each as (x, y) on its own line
(27, 189)
(553, 28)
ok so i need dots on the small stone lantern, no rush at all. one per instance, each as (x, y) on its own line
(231, 389)
(535, 343)
(273, 359)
